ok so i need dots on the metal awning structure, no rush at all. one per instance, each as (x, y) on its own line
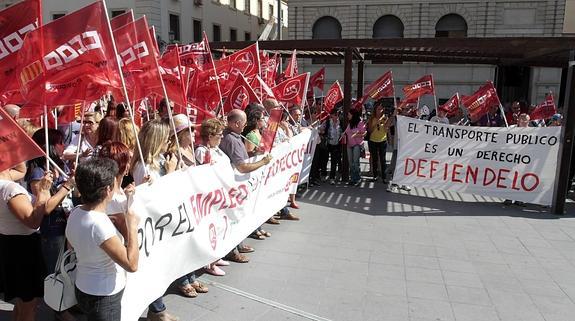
(523, 51)
(558, 52)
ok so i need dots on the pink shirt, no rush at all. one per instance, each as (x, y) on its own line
(358, 138)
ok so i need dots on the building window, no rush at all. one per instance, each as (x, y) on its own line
(260, 9)
(388, 26)
(248, 6)
(326, 27)
(451, 26)
(233, 34)
(247, 36)
(271, 11)
(174, 27)
(233, 4)
(57, 16)
(197, 30)
(116, 13)
(217, 33)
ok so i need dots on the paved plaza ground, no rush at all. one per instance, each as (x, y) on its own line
(361, 253)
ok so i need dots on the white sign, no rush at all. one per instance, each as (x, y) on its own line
(511, 163)
(191, 218)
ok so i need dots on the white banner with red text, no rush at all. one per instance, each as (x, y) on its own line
(191, 218)
(516, 163)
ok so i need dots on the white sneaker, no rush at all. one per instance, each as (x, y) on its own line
(405, 188)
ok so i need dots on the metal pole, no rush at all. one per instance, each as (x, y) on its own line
(347, 79)
(566, 146)
(279, 26)
(360, 65)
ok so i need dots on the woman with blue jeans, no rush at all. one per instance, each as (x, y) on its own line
(354, 134)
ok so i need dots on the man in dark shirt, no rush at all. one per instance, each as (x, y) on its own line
(233, 146)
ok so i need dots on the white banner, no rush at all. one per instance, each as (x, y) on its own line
(511, 163)
(308, 160)
(192, 218)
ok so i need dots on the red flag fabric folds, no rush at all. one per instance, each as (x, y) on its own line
(250, 55)
(481, 101)
(68, 60)
(451, 106)
(333, 96)
(15, 145)
(262, 89)
(545, 110)
(121, 20)
(269, 134)
(15, 22)
(137, 59)
(240, 95)
(196, 55)
(292, 90)
(422, 86)
(382, 87)
(172, 77)
(317, 80)
(291, 68)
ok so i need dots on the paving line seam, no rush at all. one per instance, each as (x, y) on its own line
(265, 301)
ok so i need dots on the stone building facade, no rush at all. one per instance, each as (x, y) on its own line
(360, 19)
(184, 20)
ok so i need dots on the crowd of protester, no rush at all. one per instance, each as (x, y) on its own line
(86, 200)
(101, 162)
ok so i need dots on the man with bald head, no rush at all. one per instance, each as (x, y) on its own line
(233, 146)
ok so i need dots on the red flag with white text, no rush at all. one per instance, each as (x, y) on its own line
(545, 110)
(422, 86)
(78, 62)
(15, 145)
(15, 22)
(382, 87)
(292, 90)
(152, 31)
(240, 95)
(317, 80)
(250, 55)
(172, 77)
(137, 60)
(121, 20)
(269, 134)
(262, 89)
(333, 96)
(481, 101)
(451, 106)
(196, 55)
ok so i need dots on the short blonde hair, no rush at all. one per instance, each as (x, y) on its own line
(209, 127)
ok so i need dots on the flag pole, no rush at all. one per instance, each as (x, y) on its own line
(124, 89)
(215, 73)
(46, 147)
(80, 135)
(56, 119)
(170, 114)
(434, 94)
(304, 98)
(394, 99)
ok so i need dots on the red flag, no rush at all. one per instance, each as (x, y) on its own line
(250, 55)
(451, 106)
(292, 90)
(269, 135)
(261, 89)
(545, 110)
(291, 68)
(318, 79)
(68, 114)
(121, 20)
(240, 95)
(269, 70)
(422, 86)
(481, 101)
(172, 77)
(406, 102)
(382, 87)
(15, 22)
(139, 65)
(196, 55)
(15, 145)
(78, 62)
(203, 91)
(333, 96)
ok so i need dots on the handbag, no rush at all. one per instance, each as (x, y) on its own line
(59, 287)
